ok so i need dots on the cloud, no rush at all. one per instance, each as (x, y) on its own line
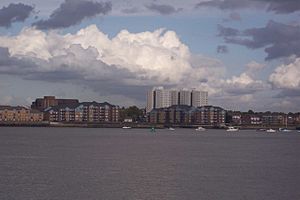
(255, 66)
(234, 16)
(132, 10)
(276, 6)
(72, 12)
(163, 9)
(287, 76)
(14, 13)
(243, 84)
(227, 31)
(279, 40)
(127, 63)
(222, 49)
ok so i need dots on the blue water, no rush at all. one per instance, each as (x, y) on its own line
(96, 164)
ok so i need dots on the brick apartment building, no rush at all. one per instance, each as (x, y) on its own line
(183, 114)
(49, 101)
(87, 112)
(19, 114)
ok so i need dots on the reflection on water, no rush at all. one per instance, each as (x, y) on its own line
(75, 163)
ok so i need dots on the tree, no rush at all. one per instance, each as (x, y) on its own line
(250, 112)
(132, 112)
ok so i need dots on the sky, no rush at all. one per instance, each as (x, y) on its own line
(245, 53)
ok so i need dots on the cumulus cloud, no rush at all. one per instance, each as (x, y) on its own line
(121, 64)
(277, 6)
(163, 9)
(287, 76)
(279, 40)
(243, 84)
(72, 12)
(14, 13)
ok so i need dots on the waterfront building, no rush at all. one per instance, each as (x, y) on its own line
(273, 119)
(159, 97)
(188, 115)
(209, 115)
(48, 101)
(19, 114)
(87, 112)
(251, 119)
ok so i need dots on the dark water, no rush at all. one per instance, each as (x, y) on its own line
(84, 164)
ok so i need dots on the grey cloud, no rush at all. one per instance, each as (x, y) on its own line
(222, 49)
(234, 16)
(288, 93)
(279, 40)
(277, 6)
(130, 10)
(12, 65)
(111, 80)
(14, 13)
(238, 89)
(163, 9)
(227, 32)
(72, 12)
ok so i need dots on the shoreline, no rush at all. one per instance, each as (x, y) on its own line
(132, 125)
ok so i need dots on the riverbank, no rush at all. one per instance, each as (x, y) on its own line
(132, 125)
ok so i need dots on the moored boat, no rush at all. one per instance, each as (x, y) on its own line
(200, 129)
(126, 127)
(271, 131)
(284, 130)
(232, 129)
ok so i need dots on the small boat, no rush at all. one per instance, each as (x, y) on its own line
(171, 129)
(271, 131)
(126, 127)
(232, 129)
(284, 130)
(152, 130)
(200, 129)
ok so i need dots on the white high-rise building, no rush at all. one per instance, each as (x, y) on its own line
(199, 98)
(162, 98)
(159, 97)
(174, 97)
(184, 97)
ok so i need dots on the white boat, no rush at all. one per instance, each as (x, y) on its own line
(232, 129)
(271, 131)
(126, 127)
(200, 129)
(171, 129)
(284, 130)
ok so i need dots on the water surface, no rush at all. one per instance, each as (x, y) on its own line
(104, 164)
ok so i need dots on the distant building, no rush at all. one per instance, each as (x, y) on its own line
(251, 119)
(159, 97)
(88, 112)
(209, 115)
(273, 119)
(48, 101)
(188, 115)
(19, 114)
(184, 97)
(199, 98)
